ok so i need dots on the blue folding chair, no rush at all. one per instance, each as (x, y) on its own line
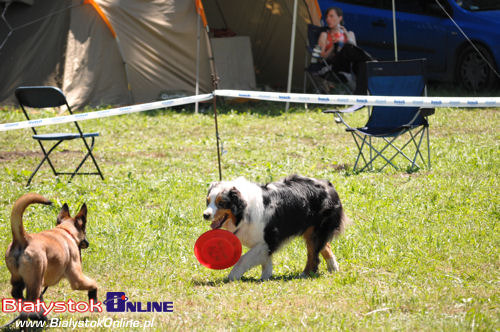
(391, 78)
(47, 96)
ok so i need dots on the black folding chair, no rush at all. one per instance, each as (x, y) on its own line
(44, 97)
(390, 78)
(319, 72)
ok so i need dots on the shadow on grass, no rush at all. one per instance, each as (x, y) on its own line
(283, 277)
(264, 108)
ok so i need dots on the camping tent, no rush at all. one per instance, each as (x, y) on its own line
(136, 51)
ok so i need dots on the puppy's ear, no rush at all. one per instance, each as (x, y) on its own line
(212, 186)
(63, 214)
(81, 217)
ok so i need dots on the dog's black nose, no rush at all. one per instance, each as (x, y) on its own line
(206, 216)
(84, 244)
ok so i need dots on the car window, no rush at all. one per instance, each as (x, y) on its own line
(478, 5)
(367, 3)
(410, 6)
(421, 7)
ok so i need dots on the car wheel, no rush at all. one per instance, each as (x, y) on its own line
(472, 71)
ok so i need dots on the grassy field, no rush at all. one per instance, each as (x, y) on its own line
(421, 254)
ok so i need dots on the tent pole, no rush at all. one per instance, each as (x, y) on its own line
(197, 87)
(394, 30)
(127, 74)
(292, 51)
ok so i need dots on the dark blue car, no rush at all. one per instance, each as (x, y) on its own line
(424, 30)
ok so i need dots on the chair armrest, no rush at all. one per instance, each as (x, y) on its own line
(338, 113)
(351, 109)
(424, 111)
(427, 111)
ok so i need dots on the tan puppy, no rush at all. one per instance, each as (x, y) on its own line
(43, 259)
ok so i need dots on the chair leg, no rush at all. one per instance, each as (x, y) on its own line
(89, 153)
(370, 143)
(46, 154)
(360, 149)
(399, 151)
(45, 157)
(379, 154)
(316, 88)
(424, 131)
(428, 148)
(417, 147)
(95, 162)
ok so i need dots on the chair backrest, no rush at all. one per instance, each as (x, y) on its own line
(313, 32)
(40, 96)
(395, 78)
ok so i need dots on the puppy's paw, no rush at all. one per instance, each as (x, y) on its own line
(266, 276)
(234, 276)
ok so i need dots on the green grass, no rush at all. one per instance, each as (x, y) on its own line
(422, 252)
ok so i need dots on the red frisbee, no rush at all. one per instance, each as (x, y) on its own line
(217, 249)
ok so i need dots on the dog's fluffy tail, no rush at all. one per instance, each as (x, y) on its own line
(345, 221)
(16, 218)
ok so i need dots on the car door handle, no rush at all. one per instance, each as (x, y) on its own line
(379, 23)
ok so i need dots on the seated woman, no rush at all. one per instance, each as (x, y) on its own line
(337, 47)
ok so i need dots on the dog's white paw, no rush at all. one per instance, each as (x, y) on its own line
(332, 265)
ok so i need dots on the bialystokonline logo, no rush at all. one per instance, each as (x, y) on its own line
(13, 305)
(119, 302)
(115, 302)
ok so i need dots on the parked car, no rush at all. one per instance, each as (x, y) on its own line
(424, 30)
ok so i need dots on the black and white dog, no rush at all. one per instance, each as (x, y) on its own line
(264, 217)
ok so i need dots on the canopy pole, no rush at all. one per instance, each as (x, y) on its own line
(394, 30)
(215, 79)
(292, 51)
(215, 83)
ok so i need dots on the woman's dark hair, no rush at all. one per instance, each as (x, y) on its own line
(338, 11)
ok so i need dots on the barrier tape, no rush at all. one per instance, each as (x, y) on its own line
(106, 113)
(365, 100)
(268, 96)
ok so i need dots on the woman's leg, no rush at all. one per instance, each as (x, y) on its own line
(355, 56)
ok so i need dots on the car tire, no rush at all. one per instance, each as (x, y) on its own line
(472, 71)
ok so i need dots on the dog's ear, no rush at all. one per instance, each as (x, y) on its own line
(81, 217)
(63, 214)
(237, 202)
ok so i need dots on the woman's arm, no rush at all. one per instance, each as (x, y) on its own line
(351, 37)
(322, 44)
